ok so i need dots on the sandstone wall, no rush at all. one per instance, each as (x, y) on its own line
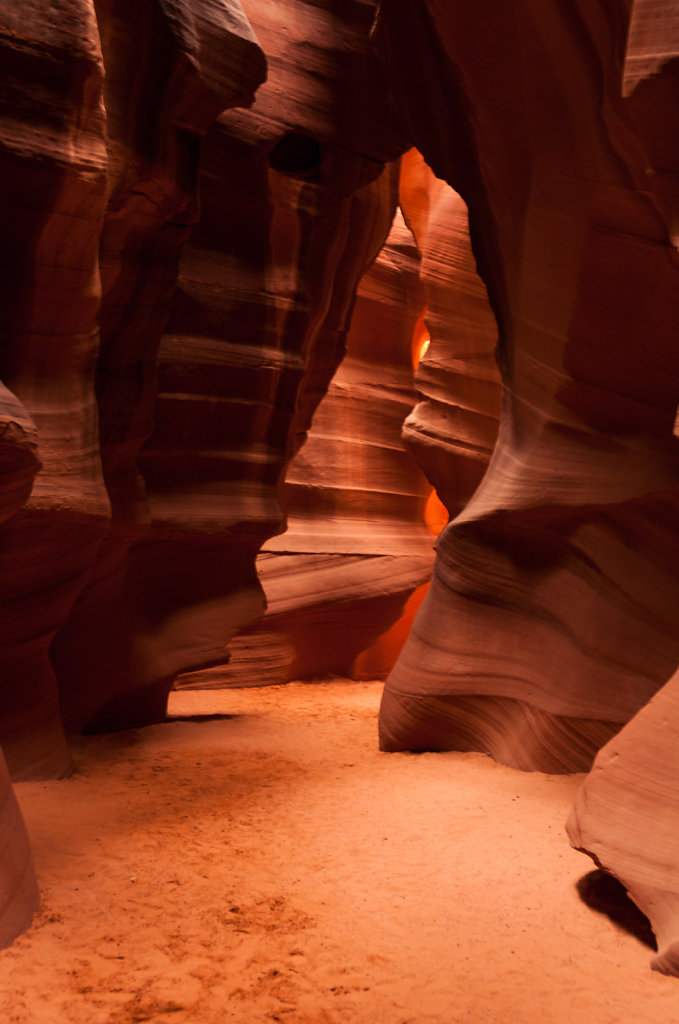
(192, 192)
(625, 814)
(552, 616)
(18, 886)
(356, 545)
(255, 329)
(160, 397)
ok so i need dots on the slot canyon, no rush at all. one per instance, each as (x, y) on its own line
(339, 511)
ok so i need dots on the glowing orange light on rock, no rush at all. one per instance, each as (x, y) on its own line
(377, 661)
(421, 341)
(435, 513)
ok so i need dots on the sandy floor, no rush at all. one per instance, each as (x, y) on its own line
(272, 865)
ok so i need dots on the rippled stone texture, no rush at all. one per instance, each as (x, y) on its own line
(294, 207)
(19, 460)
(452, 429)
(356, 546)
(553, 615)
(54, 178)
(18, 887)
(19, 894)
(625, 815)
(169, 72)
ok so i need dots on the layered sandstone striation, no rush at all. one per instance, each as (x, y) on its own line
(99, 162)
(173, 313)
(625, 817)
(169, 72)
(452, 429)
(256, 329)
(19, 894)
(54, 178)
(356, 545)
(19, 460)
(18, 886)
(625, 814)
(192, 192)
(552, 616)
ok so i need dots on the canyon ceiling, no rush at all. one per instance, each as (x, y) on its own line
(288, 286)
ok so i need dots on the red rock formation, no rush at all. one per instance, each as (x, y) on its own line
(19, 894)
(168, 74)
(53, 171)
(71, 153)
(452, 430)
(18, 453)
(625, 815)
(18, 886)
(292, 211)
(356, 545)
(552, 617)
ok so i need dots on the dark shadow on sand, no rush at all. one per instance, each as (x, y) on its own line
(605, 894)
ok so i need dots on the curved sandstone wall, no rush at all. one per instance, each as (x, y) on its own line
(192, 192)
(54, 181)
(18, 886)
(356, 546)
(552, 616)
(213, 362)
(625, 814)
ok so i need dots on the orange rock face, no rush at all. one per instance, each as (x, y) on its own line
(452, 430)
(19, 894)
(194, 65)
(356, 545)
(54, 179)
(18, 886)
(196, 199)
(552, 617)
(625, 817)
(256, 328)
(552, 614)
(625, 814)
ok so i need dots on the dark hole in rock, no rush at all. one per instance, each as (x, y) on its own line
(296, 153)
(605, 894)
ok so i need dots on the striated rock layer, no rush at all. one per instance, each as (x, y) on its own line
(168, 74)
(54, 177)
(625, 815)
(294, 207)
(356, 546)
(553, 615)
(127, 565)
(18, 886)
(99, 161)
(452, 430)
(19, 895)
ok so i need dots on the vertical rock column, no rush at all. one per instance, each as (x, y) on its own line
(453, 428)
(169, 71)
(18, 887)
(356, 545)
(19, 893)
(625, 815)
(356, 498)
(53, 171)
(294, 207)
(553, 614)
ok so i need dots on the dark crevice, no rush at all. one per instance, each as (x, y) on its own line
(605, 894)
(296, 154)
